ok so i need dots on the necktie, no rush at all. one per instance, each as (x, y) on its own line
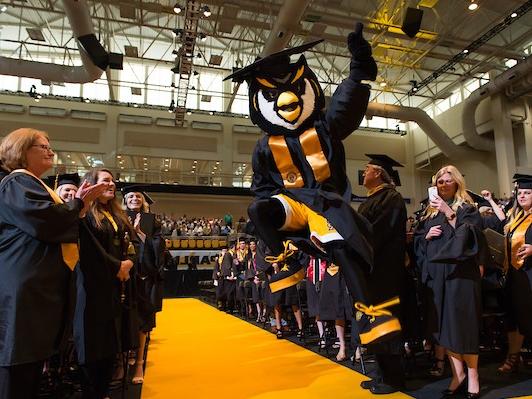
(69, 251)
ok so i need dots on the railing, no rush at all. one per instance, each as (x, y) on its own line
(158, 176)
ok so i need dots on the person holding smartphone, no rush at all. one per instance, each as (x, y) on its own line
(450, 249)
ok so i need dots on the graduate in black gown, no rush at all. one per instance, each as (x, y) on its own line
(518, 289)
(105, 322)
(38, 251)
(299, 173)
(65, 185)
(386, 211)
(150, 263)
(451, 249)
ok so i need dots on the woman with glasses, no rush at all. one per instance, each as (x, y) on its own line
(38, 251)
(450, 249)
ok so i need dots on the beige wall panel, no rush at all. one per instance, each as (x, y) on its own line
(246, 147)
(358, 144)
(69, 131)
(178, 142)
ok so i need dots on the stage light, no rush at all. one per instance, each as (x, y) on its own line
(473, 6)
(3, 8)
(171, 108)
(202, 36)
(177, 32)
(177, 8)
(207, 11)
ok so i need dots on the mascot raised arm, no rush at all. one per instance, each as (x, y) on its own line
(299, 173)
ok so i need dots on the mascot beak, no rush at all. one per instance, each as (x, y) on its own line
(288, 106)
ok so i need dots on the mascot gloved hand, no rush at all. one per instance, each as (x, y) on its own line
(302, 192)
(363, 66)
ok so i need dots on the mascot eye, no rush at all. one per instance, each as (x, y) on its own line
(270, 94)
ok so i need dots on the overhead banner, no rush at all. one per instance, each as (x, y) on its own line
(203, 259)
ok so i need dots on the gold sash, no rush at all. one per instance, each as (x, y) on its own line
(518, 228)
(69, 251)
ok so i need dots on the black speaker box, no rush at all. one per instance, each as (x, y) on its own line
(412, 21)
(95, 50)
(116, 61)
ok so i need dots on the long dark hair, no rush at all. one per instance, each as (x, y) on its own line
(114, 207)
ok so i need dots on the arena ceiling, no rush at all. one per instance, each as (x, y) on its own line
(237, 30)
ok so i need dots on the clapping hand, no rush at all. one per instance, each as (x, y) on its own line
(136, 226)
(89, 192)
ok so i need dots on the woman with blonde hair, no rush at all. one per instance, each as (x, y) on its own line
(450, 247)
(38, 251)
(105, 318)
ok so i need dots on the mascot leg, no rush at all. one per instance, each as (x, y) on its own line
(375, 323)
(268, 216)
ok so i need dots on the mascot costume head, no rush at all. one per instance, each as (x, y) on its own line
(284, 97)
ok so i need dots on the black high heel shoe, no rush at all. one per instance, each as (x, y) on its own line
(461, 388)
(470, 395)
(279, 334)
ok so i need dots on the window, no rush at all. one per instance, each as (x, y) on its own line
(211, 85)
(97, 90)
(241, 102)
(132, 75)
(442, 106)
(66, 89)
(8, 82)
(378, 122)
(159, 80)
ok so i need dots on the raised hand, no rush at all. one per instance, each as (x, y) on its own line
(88, 193)
(363, 66)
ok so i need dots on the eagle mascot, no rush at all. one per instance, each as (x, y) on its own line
(299, 174)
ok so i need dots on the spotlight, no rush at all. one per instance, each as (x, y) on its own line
(202, 36)
(3, 8)
(177, 9)
(513, 15)
(87, 100)
(383, 84)
(189, 113)
(171, 108)
(198, 55)
(473, 6)
(206, 11)
(195, 73)
(33, 93)
(414, 85)
(177, 32)
(465, 51)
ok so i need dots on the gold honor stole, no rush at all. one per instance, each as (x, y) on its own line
(69, 251)
(518, 228)
(310, 143)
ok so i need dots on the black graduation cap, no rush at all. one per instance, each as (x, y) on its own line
(242, 239)
(56, 181)
(137, 189)
(270, 63)
(478, 199)
(387, 163)
(523, 181)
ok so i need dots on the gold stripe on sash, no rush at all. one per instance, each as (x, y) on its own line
(518, 230)
(311, 145)
(69, 251)
(283, 160)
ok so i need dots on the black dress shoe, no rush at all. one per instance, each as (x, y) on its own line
(368, 384)
(380, 388)
(461, 388)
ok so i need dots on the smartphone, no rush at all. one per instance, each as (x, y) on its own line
(433, 193)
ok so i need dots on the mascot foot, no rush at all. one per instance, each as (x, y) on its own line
(375, 323)
(287, 277)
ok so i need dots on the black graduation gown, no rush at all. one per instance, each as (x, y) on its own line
(335, 303)
(451, 279)
(103, 324)
(149, 270)
(386, 211)
(34, 280)
(519, 291)
(331, 197)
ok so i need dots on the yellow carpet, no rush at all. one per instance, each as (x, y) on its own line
(199, 352)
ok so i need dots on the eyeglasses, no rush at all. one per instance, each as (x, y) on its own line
(44, 147)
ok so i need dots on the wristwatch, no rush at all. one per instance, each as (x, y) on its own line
(453, 215)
